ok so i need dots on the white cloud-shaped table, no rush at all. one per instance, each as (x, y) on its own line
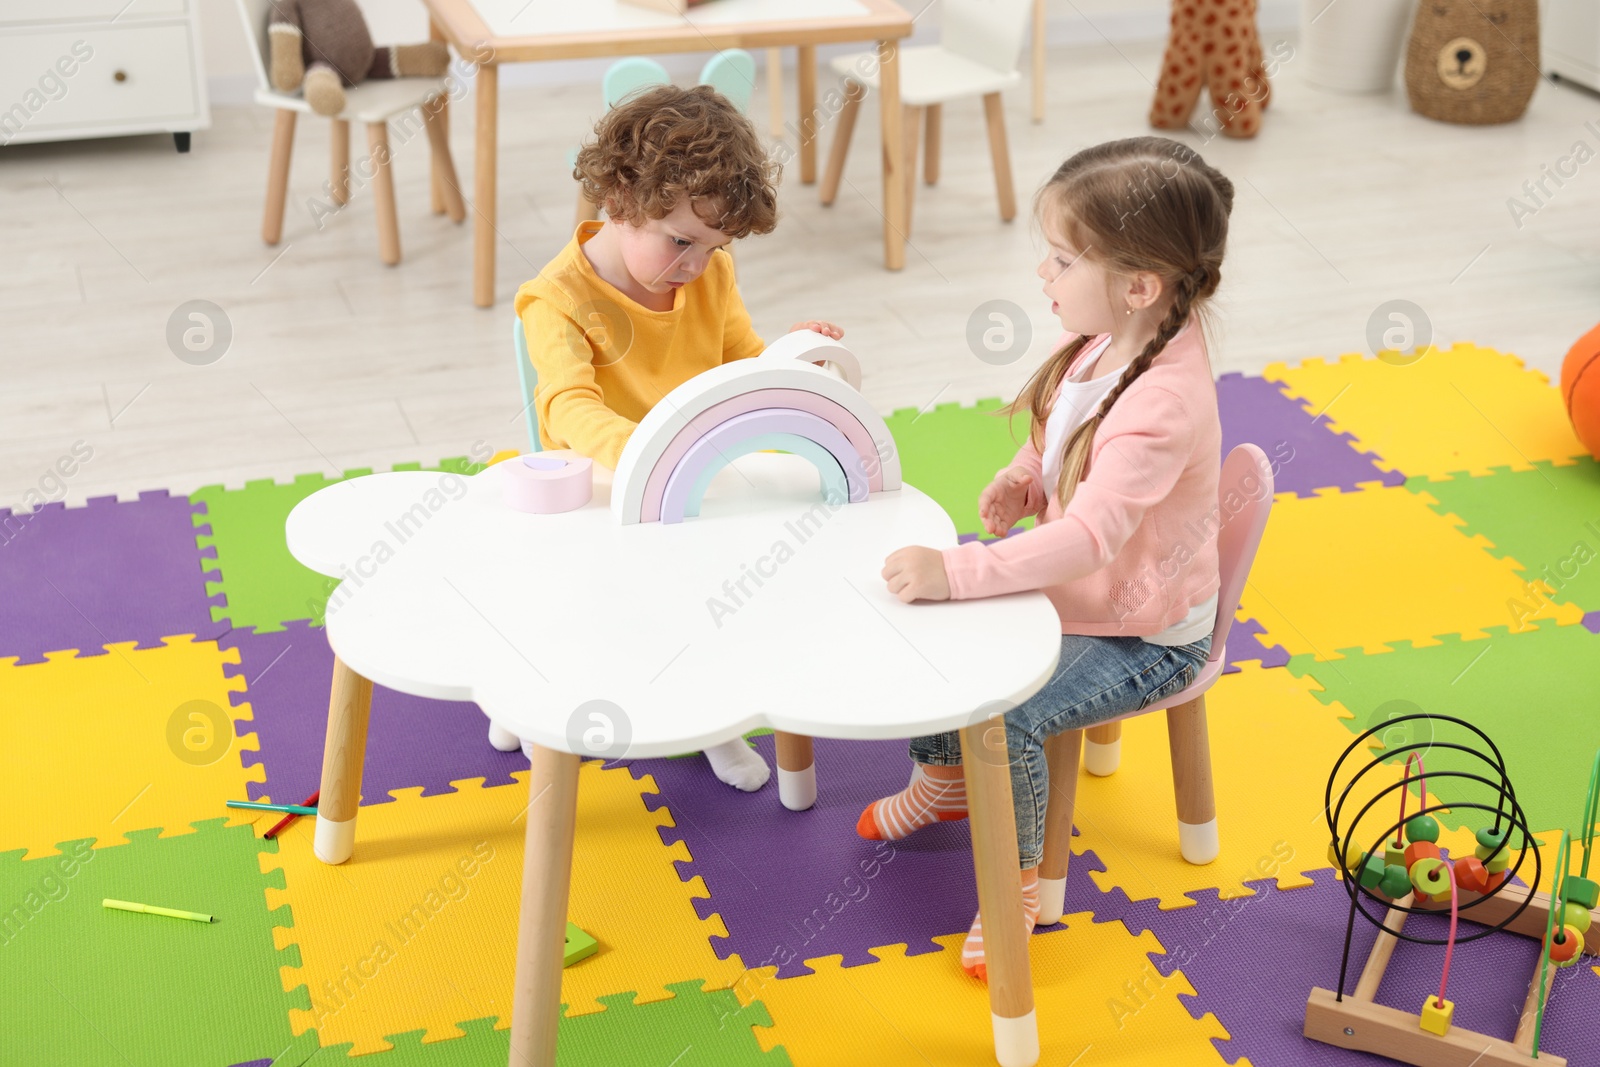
(767, 608)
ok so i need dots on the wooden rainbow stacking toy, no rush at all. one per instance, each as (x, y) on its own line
(778, 400)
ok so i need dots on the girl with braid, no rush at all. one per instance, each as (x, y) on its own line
(1121, 469)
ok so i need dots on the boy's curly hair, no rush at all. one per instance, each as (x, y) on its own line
(659, 146)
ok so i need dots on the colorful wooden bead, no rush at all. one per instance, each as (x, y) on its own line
(1576, 916)
(1471, 875)
(1490, 839)
(1499, 863)
(1436, 1013)
(1394, 853)
(1421, 850)
(1372, 869)
(1422, 828)
(1430, 876)
(1496, 880)
(1395, 882)
(1581, 891)
(1566, 945)
(1353, 857)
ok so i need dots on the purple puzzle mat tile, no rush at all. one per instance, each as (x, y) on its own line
(1244, 643)
(792, 886)
(411, 741)
(1306, 454)
(1228, 949)
(1591, 622)
(104, 573)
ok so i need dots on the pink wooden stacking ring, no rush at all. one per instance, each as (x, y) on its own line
(546, 485)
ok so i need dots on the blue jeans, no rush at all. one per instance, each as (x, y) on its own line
(1098, 678)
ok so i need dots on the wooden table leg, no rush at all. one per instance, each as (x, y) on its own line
(994, 855)
(806, 90)
(894, 185)
(435, 116)
(913, 127)
(483, 234)
(797, 771)
(343, 752)
(1191, 781)
(1039, 19)
(1061, 751)
(542, 920)
(775, 92)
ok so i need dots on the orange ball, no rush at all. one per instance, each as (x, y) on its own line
(1580, 389)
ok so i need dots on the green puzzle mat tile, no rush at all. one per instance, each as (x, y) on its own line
(83, 984)
(1534, 693)
(696, 1028)
(1462, 409)
(265, 586)
(952, 452)
(1547, 519)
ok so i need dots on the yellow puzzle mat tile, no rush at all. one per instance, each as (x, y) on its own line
(1464, 409)
(1272, 746)
(96, 746)
(1098, 999)
(418, 930)
(1358, 570)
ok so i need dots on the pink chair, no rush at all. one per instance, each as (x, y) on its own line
(1246, 486)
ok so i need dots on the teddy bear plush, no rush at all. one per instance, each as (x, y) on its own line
(1471, 62)
(1213, 45)
(323, 47)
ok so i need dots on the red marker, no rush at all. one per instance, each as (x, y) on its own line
(287, 819)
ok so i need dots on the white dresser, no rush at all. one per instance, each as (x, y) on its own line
(1571, 40)
(100, 68)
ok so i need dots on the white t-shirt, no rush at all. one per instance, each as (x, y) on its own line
(1080, 398)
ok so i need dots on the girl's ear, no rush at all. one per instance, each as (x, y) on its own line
(1145, 289)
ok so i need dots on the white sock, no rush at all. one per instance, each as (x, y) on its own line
(741, 766)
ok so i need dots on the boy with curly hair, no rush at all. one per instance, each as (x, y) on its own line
(633, 307)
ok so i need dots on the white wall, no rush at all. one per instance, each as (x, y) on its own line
(232, 79)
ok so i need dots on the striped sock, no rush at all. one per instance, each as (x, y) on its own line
(927, 800)
(972, 951)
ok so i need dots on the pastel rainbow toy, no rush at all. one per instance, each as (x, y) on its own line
(779, 400)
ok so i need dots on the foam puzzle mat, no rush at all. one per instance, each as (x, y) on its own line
(1434, 546)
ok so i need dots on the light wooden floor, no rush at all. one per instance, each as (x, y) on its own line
(337, 362)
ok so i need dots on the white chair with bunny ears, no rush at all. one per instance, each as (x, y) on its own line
(979, 45)
(1237, 541)
(374, 104)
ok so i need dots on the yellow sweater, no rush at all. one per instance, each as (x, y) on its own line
(603, 360)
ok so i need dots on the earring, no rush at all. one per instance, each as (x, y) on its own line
(1130, 309)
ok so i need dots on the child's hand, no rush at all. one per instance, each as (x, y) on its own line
(826, 329)
(1013, 494)
(917, 573)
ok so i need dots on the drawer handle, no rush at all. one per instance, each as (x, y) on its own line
(120, 76)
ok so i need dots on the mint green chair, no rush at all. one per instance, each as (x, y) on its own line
(529, 379)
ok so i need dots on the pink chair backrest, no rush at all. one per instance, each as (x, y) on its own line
(1244, 497)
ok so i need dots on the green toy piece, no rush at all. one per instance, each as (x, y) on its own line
(1395, 882)
(1582, 891)
(1394, 855)
(1422, 828)
(1372, 869)
(579, 946)
(1491, 839)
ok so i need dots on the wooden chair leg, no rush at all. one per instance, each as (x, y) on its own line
(436, 184)
(797, 771)
(854, 93)
(1102, 751)
(775, 92)
(444, 169)
(278, 177)
(552, 816)
(343, 752)
(1040, 18)
(1191, 781)
(994, 855)
(805, 87)
(930, 150)
(1061, 753)
(383, 192)
(339, 159)
(913, 126)
(994, 115)
(587, 210)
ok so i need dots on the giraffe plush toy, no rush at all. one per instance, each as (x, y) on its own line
(1213, 45)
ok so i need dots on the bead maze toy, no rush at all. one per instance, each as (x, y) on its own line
(1404, 873)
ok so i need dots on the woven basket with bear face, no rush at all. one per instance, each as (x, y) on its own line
(1473, 61)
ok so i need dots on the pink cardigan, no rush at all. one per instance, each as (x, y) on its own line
(1136, 547)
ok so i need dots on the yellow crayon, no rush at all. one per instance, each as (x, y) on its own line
(151, 909)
